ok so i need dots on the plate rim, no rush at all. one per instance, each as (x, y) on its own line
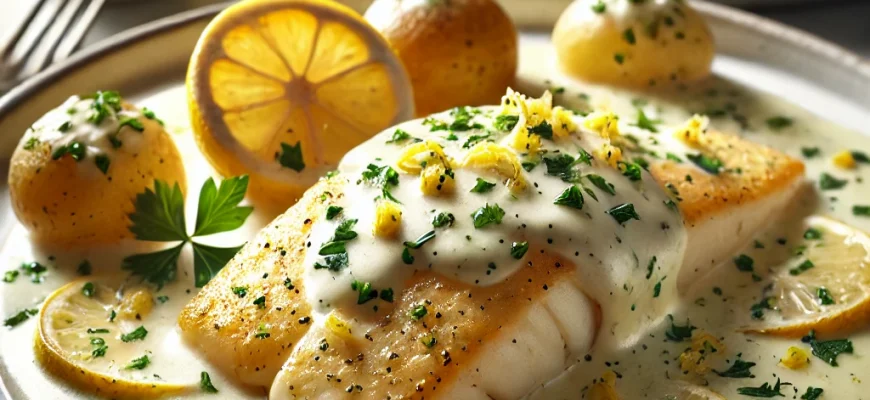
(752, 22)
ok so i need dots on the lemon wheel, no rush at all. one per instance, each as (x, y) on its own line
(79, 340)
(824, 287)
(282, 89)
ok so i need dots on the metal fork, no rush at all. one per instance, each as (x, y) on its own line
(50, 31)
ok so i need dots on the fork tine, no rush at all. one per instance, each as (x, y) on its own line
(52, 37)
(34, 32)
(9, 44)
(75, 35)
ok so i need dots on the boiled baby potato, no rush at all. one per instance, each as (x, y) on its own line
(76, 171)
(457, 52)
(635, 43)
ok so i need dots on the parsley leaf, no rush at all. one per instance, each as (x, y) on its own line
(291, 156)
(740, 369)
(482, 186)
(208, 261)
(139, 363)
(443, 219)
(219, 209)
(779, 122)
(333, 211)
(20, 317)
(159, 214)
(643, 122)
(571, 197)
(629, 170)
(487, 215)
(812, 393)
(829, 182)
(562, 166)
(861, 210)
(519, 249)
(828, 350)
(623, 213)
(744, 263)
(158, 268)
(810, 152)
(710, 164)
(764, 390)
(138, 334)
(420, 240)
(544, 129)
(676, 333)
(205, 384)
(382, 177)
(418, 312)
(365, 290)
(825, 298)
(399, 136)
(505, 122)
(473, 139)
(802, 267)
(601, 183)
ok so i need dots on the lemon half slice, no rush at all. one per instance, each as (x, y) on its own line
(282, 89)
(85, 337)
(825, 286)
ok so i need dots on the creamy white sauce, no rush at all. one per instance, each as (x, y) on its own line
(644, 358)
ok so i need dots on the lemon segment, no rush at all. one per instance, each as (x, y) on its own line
(82, 341)
(282, 89)
(825, 287)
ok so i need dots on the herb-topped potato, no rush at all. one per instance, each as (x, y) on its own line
(636, 43)
(76, 172)
(457, 52)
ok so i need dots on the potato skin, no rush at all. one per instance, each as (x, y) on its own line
(65, 203)
(457, 52)
(588, 44)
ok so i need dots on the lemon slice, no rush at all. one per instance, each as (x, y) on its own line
(79, 341)
(825, 286)
(282, 89)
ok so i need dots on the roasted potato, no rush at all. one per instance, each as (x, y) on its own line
(76, 171)
(457, 52)
(633, 43)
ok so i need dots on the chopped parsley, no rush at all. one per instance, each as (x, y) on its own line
(418, 312)
(100, 347)
(812, 234)
(482, 186)
(562, 166)
(779, 122)
(488, 214)
(628, 35)
(387, 295)
(333, 211)
(623, 213)
(88, 289)
(205, 384)
(262, 332)
(443, 219)
(643, 122)
(828, 351)
(519, 249)
(139, 363)
(65, 127)
(148, 113)
(570, 197)
(74, 149)
(619, 58)
(102, 161)
(383, 177)
(744, 263)
(740, 369)
(757, 309)
(20, 317)
(260, 302)
(365, 290)
(291, 156)
(31, 143)
(420, 240)
(629, 170)
(429, 340)
(861, 210)
(599, 7)
(162, 299)
(474, 139)
(829, 182)
(137, 334)
(601, 183)
(860, 157)
(335, 252)
(133, 123)
(677, 333)
(824, 296)
(105, 104)
(810, 152)
(812, 393)
(802, 267)
(710, 164)
(159, 216)
(10, 276)
(764, 390)
(505, 123)
(399, 136)
(544, 129)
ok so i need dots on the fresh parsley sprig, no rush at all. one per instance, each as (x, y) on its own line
(159, 217)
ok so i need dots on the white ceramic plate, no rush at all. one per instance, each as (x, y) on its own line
(752, 51)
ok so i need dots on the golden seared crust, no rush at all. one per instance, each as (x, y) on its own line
(224, 325)
(752, 172)
(392, 360)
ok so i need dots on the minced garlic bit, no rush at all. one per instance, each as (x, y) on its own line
(795, 358)
(419, 155)
(609, 153)
(605, 123)
(493, 157)
(844, 160)
(605, 388)
(338, 327)
(437, 180)
(388, 219)
(696, 360)
(537, 118)
(693, 130)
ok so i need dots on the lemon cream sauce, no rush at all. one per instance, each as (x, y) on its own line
(643, 359)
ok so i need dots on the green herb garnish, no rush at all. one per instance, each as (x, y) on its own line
(365, 290)
(482, 186)
(601, 183)
(488, 214)
(824, 296)
(643, 122)
(88, 289)
(205, 384)
(519, 249)
(291, 156)
(828, 351)
(764, 390)
(137, 334)
(623, 213)
(139, 363)
(629, 170)
(571, 197)
(740, 369)
(804, 266)
(810, 152)
(399, 136)
(418, 312)
(20, 317)
(443, 219)
(709, 164)
(829, 182)
(778, 123)
(676, 333)
(744, 263)
(812, 234)
(812, 393)
(861, 210)
(505, 123)
(333, 211)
